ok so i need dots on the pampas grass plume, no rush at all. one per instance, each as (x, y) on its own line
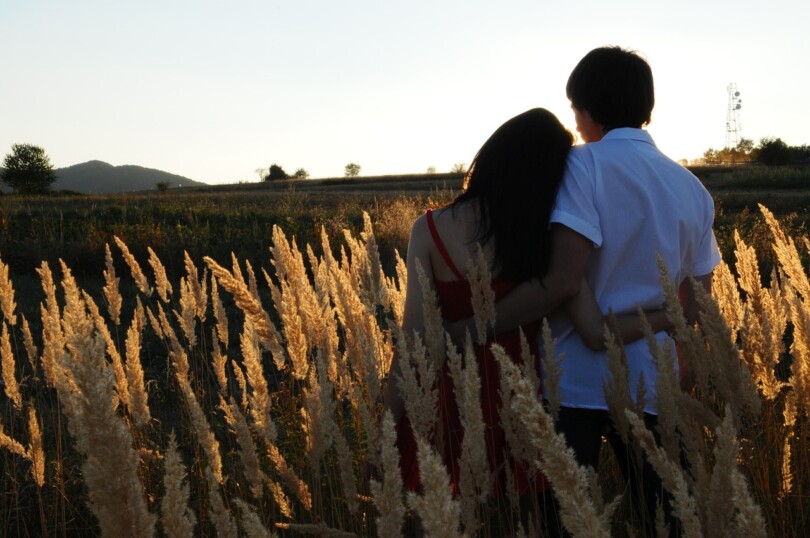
(177, 518)
(388, 494)
(134, 268)
(10, 385)
(438, 511)
(7, 304)
(110, 289)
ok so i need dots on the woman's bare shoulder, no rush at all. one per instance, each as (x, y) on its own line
(420, 224)
(420, 234)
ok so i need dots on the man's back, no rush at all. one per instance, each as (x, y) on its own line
(633, 203)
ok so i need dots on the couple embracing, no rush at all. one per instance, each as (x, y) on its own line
(570, 233)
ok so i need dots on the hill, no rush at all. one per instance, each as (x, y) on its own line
(101, 177)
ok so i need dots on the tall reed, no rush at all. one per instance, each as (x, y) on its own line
(266, 409)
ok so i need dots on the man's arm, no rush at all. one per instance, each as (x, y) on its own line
(691, 311)
(686, 294)
(590, 322)
(533, 299)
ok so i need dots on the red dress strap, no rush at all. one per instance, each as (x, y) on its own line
(440, 245)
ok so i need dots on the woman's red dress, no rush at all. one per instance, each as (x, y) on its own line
(455, 303)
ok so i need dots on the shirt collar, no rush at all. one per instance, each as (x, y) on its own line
(629, 133)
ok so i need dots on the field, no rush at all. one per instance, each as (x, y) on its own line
(210, 362)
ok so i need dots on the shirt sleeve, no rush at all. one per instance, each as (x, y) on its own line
(708, 252)
(575, 205)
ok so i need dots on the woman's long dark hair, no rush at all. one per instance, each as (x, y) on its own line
(513, 182)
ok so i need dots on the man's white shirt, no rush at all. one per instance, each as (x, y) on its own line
(634, 204)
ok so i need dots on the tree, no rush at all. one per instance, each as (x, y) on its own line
(745, 145)
(710, 156)
(431, 170)
(352, 170)
(772, 151)
(459, 168)
(28, 170)
(301, 174)
(275, 172)
(162, 186)
(801, 153)
(741, 153)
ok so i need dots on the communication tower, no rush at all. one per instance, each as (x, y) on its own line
(733, 127)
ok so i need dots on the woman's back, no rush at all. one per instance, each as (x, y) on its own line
(455, 228)
(508, 194)
(448, 248)
(451, 251)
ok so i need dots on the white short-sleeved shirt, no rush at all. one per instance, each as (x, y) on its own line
(634, 203)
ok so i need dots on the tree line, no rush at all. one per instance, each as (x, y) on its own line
(770, 150)
(275, 172)
(27, 169)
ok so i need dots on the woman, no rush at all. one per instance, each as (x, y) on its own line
(508, 195)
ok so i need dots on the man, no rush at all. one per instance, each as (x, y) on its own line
(622, 203)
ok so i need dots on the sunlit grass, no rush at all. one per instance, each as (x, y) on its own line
(277, 422)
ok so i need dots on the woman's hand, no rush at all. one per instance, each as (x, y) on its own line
(458, 330)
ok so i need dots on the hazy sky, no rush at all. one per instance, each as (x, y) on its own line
(214, 90)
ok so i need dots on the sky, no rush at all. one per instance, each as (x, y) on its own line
(214, 90)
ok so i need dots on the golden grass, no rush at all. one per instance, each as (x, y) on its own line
(274, 395)
(177, 519)
(8, 365)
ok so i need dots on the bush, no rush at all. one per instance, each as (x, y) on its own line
(275, 172)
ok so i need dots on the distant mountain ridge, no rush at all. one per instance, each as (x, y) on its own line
(101, 177)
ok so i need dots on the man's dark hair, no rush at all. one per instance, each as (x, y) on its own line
(615, 86)
(513, 183)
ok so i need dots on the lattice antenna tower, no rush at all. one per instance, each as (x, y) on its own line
(733, 126)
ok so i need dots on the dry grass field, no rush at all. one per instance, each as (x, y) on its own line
(211, 364)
